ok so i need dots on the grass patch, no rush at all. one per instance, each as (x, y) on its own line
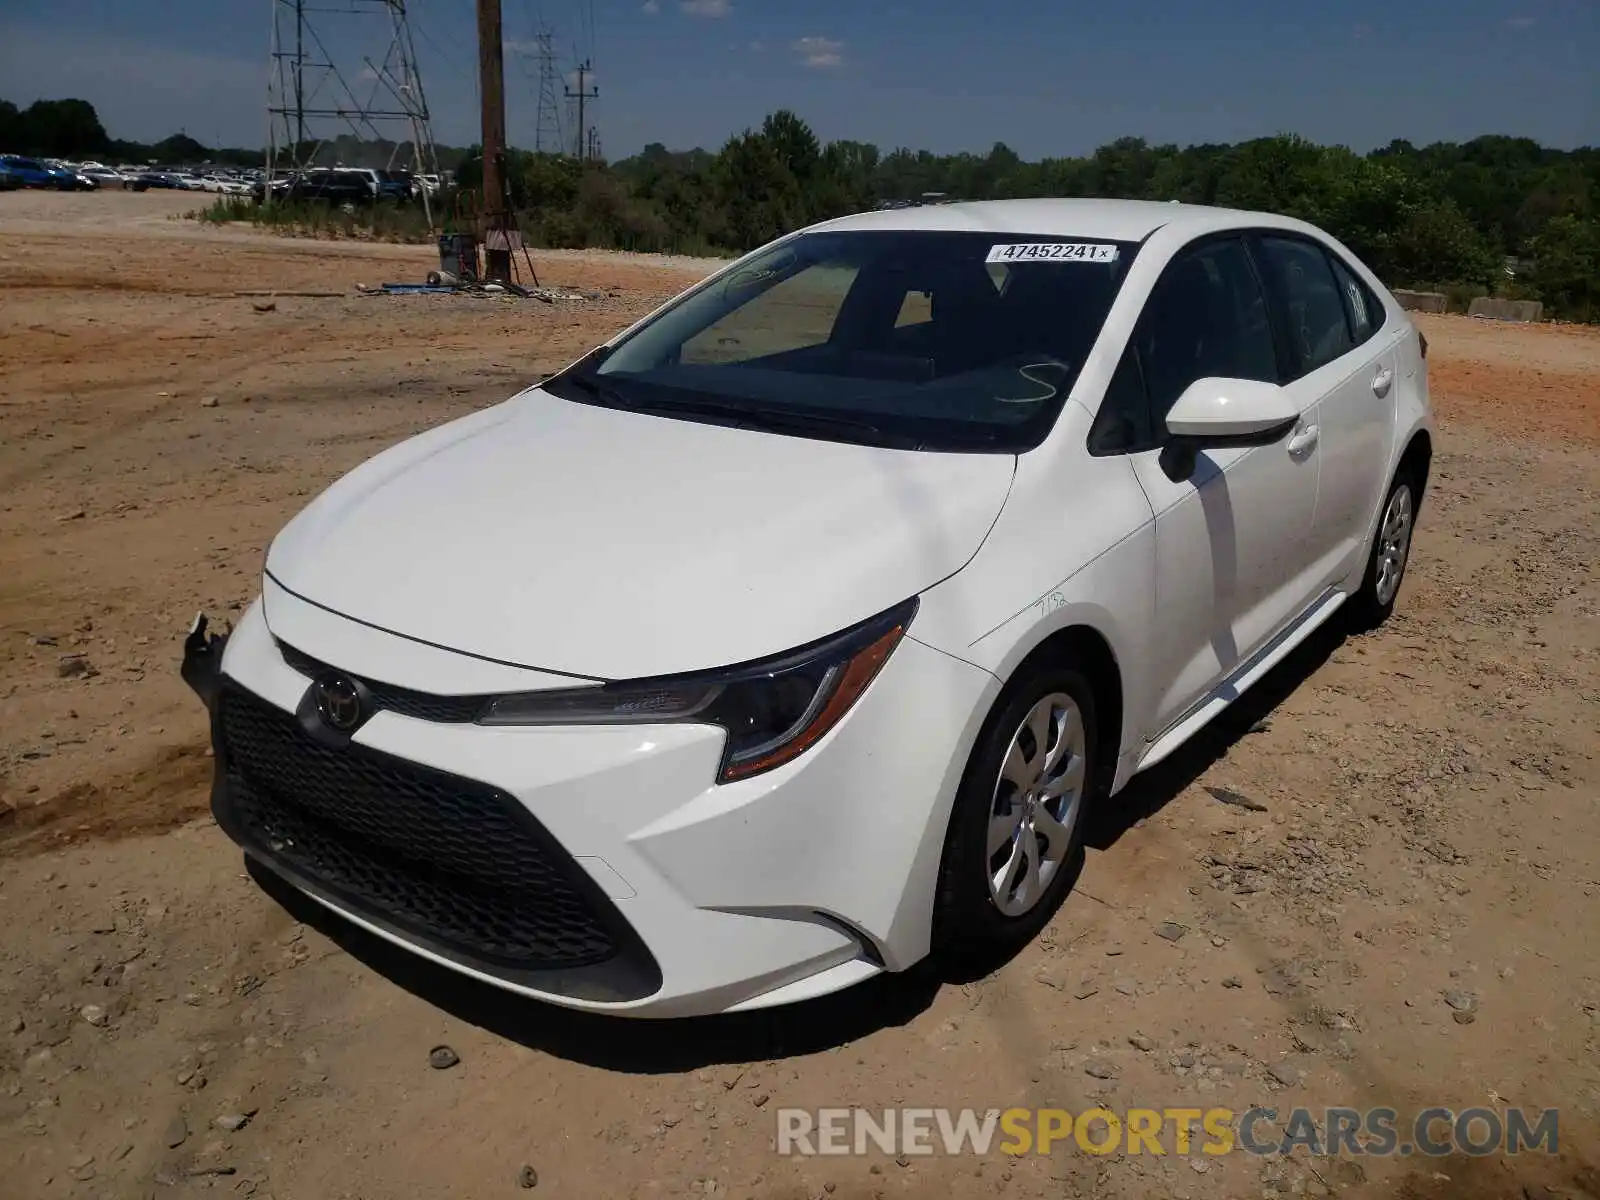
(370, 223)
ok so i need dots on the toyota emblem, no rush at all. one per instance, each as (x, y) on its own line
(339, 702)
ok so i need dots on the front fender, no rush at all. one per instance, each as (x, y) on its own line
(1074, 546)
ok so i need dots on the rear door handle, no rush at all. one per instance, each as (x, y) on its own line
(1382, 380)
(1304, 440)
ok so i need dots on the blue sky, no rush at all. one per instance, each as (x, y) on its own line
(1045, 76)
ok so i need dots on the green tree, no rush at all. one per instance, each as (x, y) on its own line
(59, 129)
(1365, 202)
(1437, 242)
(758, 192)
(1270, 174)
(179, 148)
(1566, 267)
(794, 144)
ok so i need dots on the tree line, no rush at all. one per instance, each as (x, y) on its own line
(71, 130)
(1496, 215)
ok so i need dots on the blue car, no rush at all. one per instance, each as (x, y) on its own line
(35, 174)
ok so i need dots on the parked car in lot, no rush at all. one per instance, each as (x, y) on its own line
(395, 185)
(153, 179)
(277, 187)
(790, 636)
(103, 177)
(329, 186)
(367, 176)
(226, 185)
(380, 184)
(34, 173)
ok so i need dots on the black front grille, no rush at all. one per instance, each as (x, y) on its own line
(457, 864)
(453, 710)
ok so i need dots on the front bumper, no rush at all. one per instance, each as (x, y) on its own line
(675, 896)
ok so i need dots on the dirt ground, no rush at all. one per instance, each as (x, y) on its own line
(1430, 796)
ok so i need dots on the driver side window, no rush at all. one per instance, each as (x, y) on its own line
(1206, 316)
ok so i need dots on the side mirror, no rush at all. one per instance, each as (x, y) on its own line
(1215, 414)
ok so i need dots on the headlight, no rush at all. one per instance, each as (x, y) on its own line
(773, 710)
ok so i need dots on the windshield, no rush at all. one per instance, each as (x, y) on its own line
(932, 340)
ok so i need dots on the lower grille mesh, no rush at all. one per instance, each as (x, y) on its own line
(453, 860)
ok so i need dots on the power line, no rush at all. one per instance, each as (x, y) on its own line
(547, 123)
(584, 143)
(460, 59)
(307, 88)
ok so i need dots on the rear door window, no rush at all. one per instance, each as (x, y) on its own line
(1309, 297)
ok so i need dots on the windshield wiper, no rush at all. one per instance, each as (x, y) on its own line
(577, 372)
(782, 421)
(768, 420)
(597, 392)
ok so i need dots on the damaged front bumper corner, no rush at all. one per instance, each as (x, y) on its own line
(202, 661)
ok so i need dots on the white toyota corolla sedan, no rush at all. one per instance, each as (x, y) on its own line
(788, 637)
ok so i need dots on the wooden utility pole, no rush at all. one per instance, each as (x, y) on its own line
(492, 87)
(583, 94)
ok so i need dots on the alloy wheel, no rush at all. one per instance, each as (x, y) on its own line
(1394, 543)
(1038, 799)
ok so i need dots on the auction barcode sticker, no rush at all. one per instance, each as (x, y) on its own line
(1082, 252)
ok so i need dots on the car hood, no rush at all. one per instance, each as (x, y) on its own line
(608, 544)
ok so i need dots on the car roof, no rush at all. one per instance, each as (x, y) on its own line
(1114, 220)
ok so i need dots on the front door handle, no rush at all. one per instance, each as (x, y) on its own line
(1381, 381)
(1304, 440)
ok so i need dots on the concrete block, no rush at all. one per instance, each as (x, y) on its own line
(1496, 309)
(1428, 302)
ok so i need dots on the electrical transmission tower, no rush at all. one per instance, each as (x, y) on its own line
(309, 91)
(585, 141)
(547, 126)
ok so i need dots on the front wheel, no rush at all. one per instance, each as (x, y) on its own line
(1015, 840)
(1391, 551)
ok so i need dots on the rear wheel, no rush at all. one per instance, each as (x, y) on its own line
(1391, 551)
(1015, 841)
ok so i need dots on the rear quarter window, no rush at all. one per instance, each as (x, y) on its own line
(1363, 309)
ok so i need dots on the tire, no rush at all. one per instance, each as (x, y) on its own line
(1389, 554)
(978, 924)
